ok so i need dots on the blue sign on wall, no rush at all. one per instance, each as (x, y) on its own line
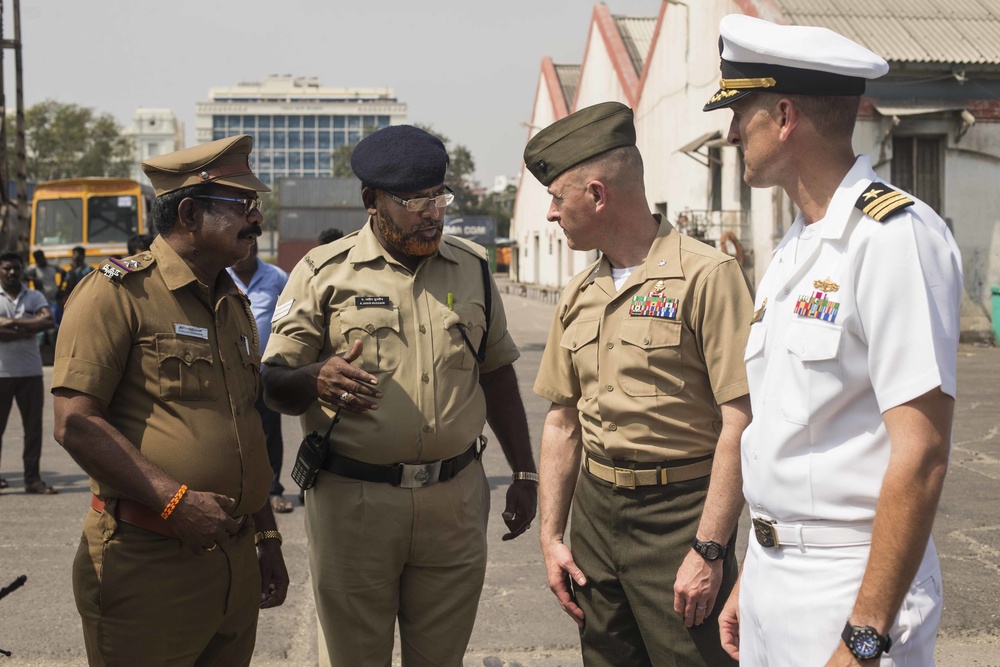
(481, 229)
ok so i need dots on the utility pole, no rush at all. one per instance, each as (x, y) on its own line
(16, 222)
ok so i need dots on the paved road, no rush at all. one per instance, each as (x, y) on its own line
(519, 622)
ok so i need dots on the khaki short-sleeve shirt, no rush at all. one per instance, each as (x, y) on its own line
(178, 373)
(648, 366)
(410, 325)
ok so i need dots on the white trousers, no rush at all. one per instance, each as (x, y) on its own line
(795, 600)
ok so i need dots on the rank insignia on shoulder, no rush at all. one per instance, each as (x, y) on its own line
(881, 202)
(654, 305)
(113, 273)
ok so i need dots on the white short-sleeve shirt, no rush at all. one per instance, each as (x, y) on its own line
(853, 317)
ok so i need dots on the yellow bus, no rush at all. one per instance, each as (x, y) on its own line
(100, 214)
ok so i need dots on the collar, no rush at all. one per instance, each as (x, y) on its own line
(662, 261)
(177, 274)
(367, 248)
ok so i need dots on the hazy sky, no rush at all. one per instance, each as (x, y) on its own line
(467, 68)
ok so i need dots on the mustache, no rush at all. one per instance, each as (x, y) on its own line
(254, 231)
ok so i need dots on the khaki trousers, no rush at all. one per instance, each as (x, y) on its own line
(380, 553)
(629, 544)
(147, 600)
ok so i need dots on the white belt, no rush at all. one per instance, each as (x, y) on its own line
(771, 534)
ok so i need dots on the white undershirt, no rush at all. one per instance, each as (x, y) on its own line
(621, 275)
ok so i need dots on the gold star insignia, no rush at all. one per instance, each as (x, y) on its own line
(871, 194)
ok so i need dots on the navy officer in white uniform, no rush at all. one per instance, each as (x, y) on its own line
(851, 363)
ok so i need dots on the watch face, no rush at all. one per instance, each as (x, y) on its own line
(711, 551)
(864, 643)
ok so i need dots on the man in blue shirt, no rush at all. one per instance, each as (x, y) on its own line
(263, 282)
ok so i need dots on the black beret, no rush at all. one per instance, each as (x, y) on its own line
(400, 158)
(578, 137)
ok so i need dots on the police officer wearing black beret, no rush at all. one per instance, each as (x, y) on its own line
(400, 330)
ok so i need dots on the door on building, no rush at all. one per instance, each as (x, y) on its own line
(918, 168)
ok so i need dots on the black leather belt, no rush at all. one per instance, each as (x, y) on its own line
(406, 475)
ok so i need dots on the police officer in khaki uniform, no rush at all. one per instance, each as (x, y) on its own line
(155, 380)
(401, 330)
(644, 369)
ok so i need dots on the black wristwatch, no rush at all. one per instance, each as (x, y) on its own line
(864, 641)
(710, 550)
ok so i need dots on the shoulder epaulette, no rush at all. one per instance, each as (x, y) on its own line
(881, 202)
(468, 246)
(115, 269)
(322, 254)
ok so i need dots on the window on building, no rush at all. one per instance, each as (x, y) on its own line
(263, 122)
(294, 161)
(278, 121)
(324, 162)
(324, 121)
(279, 162)
(339, 122)
(323, 140)
(309, 121)
(917, 167)
(354, 122)
(309, 161)
(308, 138)
(218, 134)
(249, 122)
(264, 140)
(218, 122)
(152, 149)
(383, 121)
(294, 121)
(715, 166)
(234, 124)
(279, 139)
(745, 191)
(294, 138)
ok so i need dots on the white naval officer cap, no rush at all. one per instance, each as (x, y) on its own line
(758, 55)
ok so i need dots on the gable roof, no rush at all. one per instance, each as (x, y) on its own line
(569, 78)
(637, 34)
(959, 32)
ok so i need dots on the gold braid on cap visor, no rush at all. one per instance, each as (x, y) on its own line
(740, 84)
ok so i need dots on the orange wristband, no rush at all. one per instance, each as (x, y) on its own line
(169, 509)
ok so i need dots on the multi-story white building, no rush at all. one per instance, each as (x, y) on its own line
(153, 132)
(296, 123)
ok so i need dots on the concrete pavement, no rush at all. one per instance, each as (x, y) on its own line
(519, 622)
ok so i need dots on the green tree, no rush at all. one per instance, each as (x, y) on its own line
(70, 141)
(340, 161)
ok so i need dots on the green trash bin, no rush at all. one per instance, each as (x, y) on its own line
(995, 291)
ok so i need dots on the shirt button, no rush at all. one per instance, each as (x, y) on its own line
(370, 328)
(788, 290)
(468, 324)
(426, 378)
(227, 365)
(187, 356)
(423, 329)
(610, 388)
(645, 341)
(427, 429)
(613, 427)
(610, 345)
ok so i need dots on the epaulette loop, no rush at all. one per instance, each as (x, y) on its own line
(881, 202)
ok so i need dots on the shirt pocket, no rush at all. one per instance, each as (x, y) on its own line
(580, 340)
(814, 379)
(378, 331)
(185, 367)
(649, 357)
(754, 356)
(472, 318)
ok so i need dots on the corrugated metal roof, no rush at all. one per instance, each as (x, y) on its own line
(637, 33)
(569, 79)
(918, 31)
(298, 192)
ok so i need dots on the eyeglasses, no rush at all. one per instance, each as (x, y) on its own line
(420, 203)
(248, 203)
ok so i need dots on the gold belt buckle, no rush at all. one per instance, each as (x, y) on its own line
(763, 530)
(625, 478)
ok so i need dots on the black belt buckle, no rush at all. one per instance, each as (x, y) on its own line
(764, 531)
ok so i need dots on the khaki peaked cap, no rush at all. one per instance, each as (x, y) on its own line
(226, 162)
(577, 137)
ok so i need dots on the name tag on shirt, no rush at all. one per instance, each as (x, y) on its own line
(371, 301)
(188, 330)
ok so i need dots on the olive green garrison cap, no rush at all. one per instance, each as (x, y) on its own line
(578, 137)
